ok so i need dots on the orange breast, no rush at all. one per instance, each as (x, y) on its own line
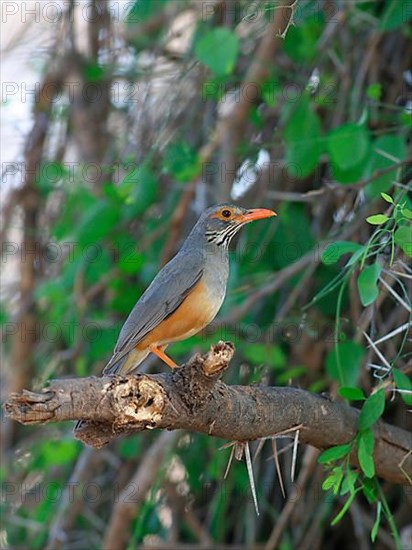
(196, 311)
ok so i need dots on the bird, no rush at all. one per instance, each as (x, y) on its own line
(186, 294)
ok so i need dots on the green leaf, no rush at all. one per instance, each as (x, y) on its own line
(302, 135)
(353, 394)
(375, 527)
(334, 251)
(365, 442)
(403, 382)
(367, 439)
(291, 374)
(271, 91)
(49, 175)
(377, 219)
(387, 198)
(374, 91)
(97, 266)
(356, 257)
(130, 447)
(372, 409)
(348, 483)
(369, 489)
(349, 355)
(407, 213)
(97, 223)
(368, 283)
(334, 453)
(396, 14)
(181, 161)
(139, 189)
(218, 49)
(142, 11)
(329, 482)
(131, 263)
(271, 355)
(403, 238)
(334, 480)
(344, 509)
(386, 150)
(3, 315)
(294, 230)
(301, 40)
(58, 453)
(348, 145)
(93, 72)
(352, 175)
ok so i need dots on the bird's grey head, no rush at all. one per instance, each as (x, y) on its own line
(220, 223)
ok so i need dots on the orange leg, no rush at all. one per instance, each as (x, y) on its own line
(158, 350)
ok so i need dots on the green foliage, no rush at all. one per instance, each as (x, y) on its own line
(374, 91)
(293, 236)
(353, 394)
(260, 354)
(301, 41)
(97, 223)
(343, 362)
(181, 161)
(334, 453)
(377, 521)
(348, 146)
(138, 189)
(404, 385)
(365, 443)
(334, 480)
(386, 151)
(334, 251)
(377, 219)
(218, 49)
(56, 453)
(403, 238)
(302, 135)
(372, 409)
(368, 283)
(396, 14)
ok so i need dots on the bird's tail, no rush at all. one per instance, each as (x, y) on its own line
(127, 364)
(114, 368)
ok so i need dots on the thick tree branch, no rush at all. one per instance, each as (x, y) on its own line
(194, 398)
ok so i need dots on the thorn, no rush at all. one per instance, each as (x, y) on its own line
(239, 446)
(401, 463)
(277, 464)
(232, 452)
(259, 448)
(294, 455)
(376, 350)
(227, 445)
(212, 425)
(251, 480)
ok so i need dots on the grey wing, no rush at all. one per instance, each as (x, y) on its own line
(164, 295)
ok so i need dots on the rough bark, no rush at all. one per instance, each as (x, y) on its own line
(194, 398)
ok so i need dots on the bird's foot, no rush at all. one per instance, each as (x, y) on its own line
(158, 350)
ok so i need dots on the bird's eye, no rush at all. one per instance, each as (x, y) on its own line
(226, 213)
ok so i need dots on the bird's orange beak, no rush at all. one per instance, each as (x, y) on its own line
(255, 214)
